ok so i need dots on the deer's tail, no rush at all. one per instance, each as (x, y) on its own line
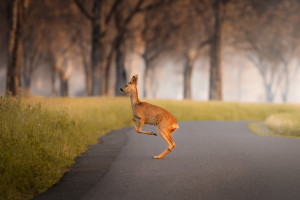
(175, 126)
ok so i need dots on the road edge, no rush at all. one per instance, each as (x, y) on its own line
(89, 167)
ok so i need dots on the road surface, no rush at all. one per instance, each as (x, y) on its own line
(211, 160)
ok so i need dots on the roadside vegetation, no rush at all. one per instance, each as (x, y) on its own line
(280, 124)
(40, 137)
(38, 141)
(284, 124)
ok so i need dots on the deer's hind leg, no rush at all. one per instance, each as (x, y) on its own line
(171, 138)
(166, 136)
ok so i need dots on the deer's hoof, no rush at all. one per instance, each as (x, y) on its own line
(154, 133)
(156, 157)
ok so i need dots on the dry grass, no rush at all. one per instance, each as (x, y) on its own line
(287, 124)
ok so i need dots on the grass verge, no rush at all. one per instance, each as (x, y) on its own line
(283, 124)
(40, 137)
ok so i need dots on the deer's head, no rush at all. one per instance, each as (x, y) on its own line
(130, 87)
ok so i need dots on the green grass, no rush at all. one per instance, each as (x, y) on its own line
(40, 137)
(39, 142)
(195, 110)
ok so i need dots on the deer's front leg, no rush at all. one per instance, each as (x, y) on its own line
(133, 121)
(139, 129)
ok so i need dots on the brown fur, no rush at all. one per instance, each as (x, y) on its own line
(146, 113)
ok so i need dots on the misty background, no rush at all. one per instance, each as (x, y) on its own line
(231, 50)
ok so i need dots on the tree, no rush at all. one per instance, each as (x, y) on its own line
(63, 65)
(97, 33)
(84, 51)
(123, 17)
(270, 49)
(212, 13)
(192, 45)
(121, 23)
(34, 44)
(17, 17)
(31, 58)
(64, 74)
(215, 71)
(157, 37)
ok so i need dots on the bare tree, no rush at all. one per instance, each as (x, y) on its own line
(121, 23)
(123, 17)
(84, 52)
(63, 66)
(64, 74)
(199, 36)
(212, 13)
(157, 37)
(31, 59)
(34, 44)
(215, 82)
(17, 17)
(95, 17)
(61, 41)
(269, 48)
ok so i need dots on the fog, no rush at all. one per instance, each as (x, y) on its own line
(235, 50)
(241, 81)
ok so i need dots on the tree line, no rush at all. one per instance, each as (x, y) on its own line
(103, 33)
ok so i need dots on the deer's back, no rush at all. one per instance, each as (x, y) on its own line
(154, 115)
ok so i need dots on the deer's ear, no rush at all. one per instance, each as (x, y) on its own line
(134, 79)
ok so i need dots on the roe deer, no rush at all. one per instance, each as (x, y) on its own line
(146, 113)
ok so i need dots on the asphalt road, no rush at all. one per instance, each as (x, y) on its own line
(211, 160)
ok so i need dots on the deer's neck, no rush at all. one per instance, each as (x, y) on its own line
(134, 99)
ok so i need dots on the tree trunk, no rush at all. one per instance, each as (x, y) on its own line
(27, 81)
(87, 69)
(15, 46)
(269, 93)
(148, 81)
(286, 83)
(156, 77)
(88, 77)
(215, 86)
(187, 74)
(146, 89)
(239, 83)
(285, 92)
(64, 87)
(89, 81)
(136, 53)
(107, 71)
(96, 47)
(53, 76)
(120, 69)
(64, 75)
(187, 93)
